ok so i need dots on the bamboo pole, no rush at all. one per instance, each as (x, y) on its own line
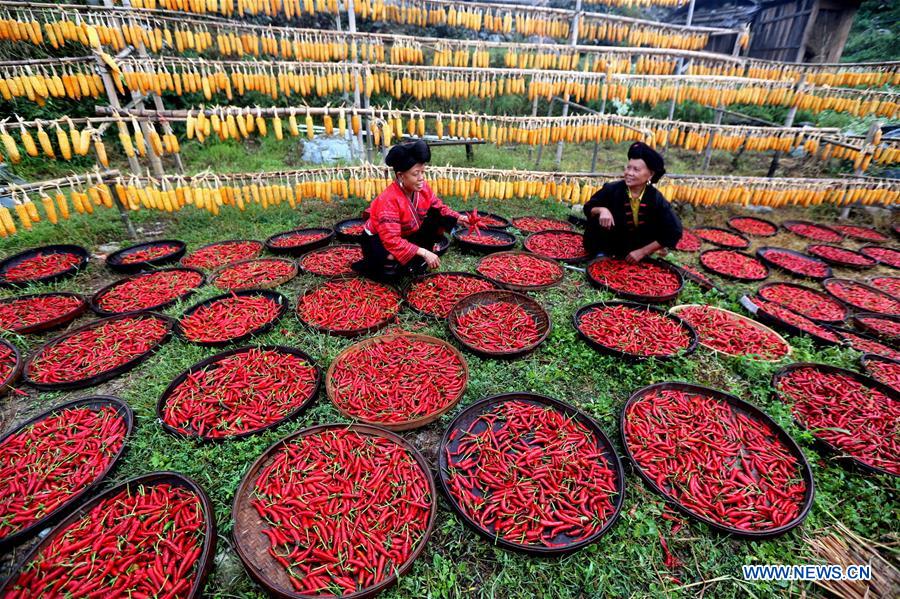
(565, 107)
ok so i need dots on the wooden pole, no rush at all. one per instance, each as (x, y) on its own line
(870, 137)
(679, 68)
(351, 27)
(573, 41)
(788, 122)
(707, 157)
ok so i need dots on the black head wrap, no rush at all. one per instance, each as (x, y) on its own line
(653, 159)
(403, 157)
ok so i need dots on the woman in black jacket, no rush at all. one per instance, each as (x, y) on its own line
(630, 219)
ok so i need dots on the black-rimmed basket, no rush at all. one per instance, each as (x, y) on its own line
(865, 336)
(824, 445)
(559, 224)
(252, 546)
(812, 250)
(327, 248)
(404, 291)
(16, 372)
(259, 250)
(114, 261)
(745, 243)
(95, 299)
(789, 223)
(745, 320)
(517, 287)
(211, 361)
(208, 548)
(868, 288)
(64, 248)
(701, 281)
(349, 332)
(856, 321)
(482, 298)
(340, 228)
(281, 300)
(762, 251)
(751, 411)
(773, 321)
(54, 323)
(605, 349)
(108, 374)
(867, 358)
(501, 223)
(769, 223)
(881, 237)
(302, 248)
(96, 402)
(879, 260)
(269, 285)
(576, 260)
(729, 275)
(819, 293)
(637, 297)
(467, 416)
(508, 239)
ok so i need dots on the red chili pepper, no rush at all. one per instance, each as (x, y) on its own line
(345, 509)
(222, 253)
(298, 239)
(689, 242)
(263, 272)
(889, 285)
(240, 393)
(127, 545)
(332, 261)
(861, 296)
(804, 301)
(644, 278)
(814, 231)
(478, 237)
(797, 264)
(884, 255)
(859, 232)
(354, 230)
(714, 459)
(531, 475)
(797, 320)
(729, 263)
(398, 379)
(149, 253)
(883, 326)
(697, 275)
(106, 345)
(437, 294)
(500, 326)
(538, 224)
(855, 418)
(229, 318)
(520, 269)
(558, 245)
(40, 265)
(23, 313)
(483, 220)
(635, 331)
(884, 371)
(865, 345)
(752, 226)
(348, 305)
(724, 331)
(148, 290)
(838, 255)
(7, 362)
(44, 464)
(722, 238)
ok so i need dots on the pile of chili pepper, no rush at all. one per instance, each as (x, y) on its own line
(44, 464)
(722, 238)
(531, 475)
(688, 242)
(861, 233)
(396, 380)
(500, 326)
(103, 346)
(853, 417)
(889, 285)
(482, 220)
(229, 318)
(477, 237)
(558, 245)
(348, 305)
(520, 269)
(240, 393)
(437, 294)
(866, 345)
(332, 261)
(345, 509)
(143, 543)
(814, 231)
(862, 297)
(222, 253)
(635, 331)
(297, 239)
(840, 256)
(794, 319)
(884, 371)
(538, 224)
(27, 312)
(888, 256)
(7, 362)
(714, 459)
(262, 272)
(146, 291)
(735, 265)
(728, 333)
(804, 301)
(40, 266)
(644, 278)
(697, 275)
(152, 252)
(885, 327)
(752, 226)
(797, 264)
(355, 230)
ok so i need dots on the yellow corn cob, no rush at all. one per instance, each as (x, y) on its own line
(7, 221)
(310, 132)
(9, 145)
(44, 140)
(63, 140)
(23, 215)
(276, 126)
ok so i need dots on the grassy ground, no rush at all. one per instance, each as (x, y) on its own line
(628, 561)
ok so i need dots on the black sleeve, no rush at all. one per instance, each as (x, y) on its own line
(668, 225)
(601, 198)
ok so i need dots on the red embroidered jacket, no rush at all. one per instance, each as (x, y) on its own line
(393, 216)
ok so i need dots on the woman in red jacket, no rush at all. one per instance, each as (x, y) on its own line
(407, 220)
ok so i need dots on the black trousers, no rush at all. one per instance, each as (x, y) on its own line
(375, 263)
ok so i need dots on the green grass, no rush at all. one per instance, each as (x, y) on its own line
(628, 561)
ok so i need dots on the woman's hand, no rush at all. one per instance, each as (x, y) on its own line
(606, 218)
(431, 259)
(463, 220)
(635, 256)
